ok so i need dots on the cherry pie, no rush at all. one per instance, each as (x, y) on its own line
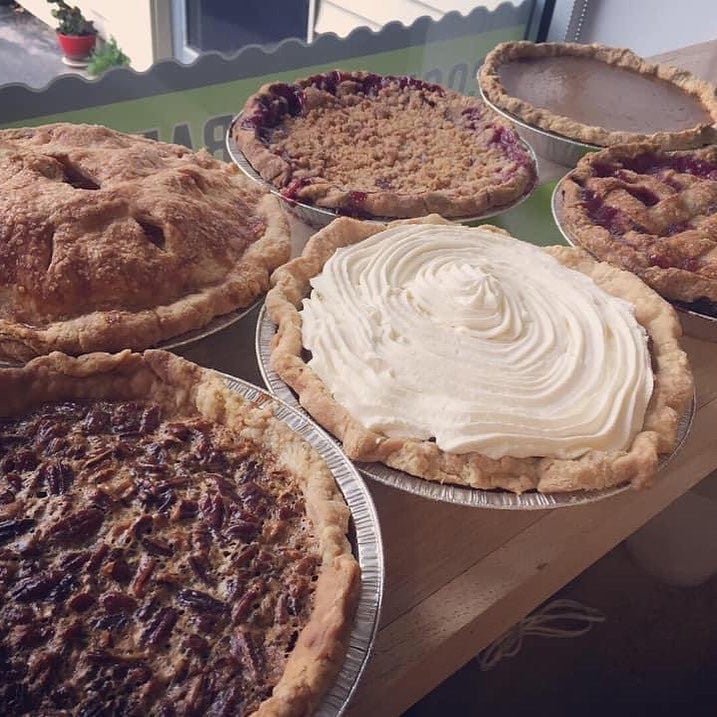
(651, 212)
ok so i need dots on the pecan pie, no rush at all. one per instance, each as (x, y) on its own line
(111, 241)
(462, 355)
(371, 145)
(651, 212)
(600, 95)
(166, 546)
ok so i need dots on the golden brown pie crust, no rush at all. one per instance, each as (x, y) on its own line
(183, 389)
(595, 470)
(112, 241)
(619, 57)
(667, 203)
(406, 149)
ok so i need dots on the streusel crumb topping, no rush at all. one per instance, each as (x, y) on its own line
(407, 141)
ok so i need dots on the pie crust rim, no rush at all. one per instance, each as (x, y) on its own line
(595, 470)
(174, 382)
(545, 119)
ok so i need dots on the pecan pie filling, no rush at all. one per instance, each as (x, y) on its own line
(148, 565)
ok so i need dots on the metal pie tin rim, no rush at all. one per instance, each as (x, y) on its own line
(218, 323)
(368, 547)
(706, 324)
(322, 216)
(446, 492)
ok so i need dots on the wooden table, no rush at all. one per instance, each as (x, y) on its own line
(457, 578)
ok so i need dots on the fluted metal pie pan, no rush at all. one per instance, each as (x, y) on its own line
(318, 217)
(365, 536)
(500, 499)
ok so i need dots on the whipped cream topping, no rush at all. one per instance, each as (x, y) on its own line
(478, 341)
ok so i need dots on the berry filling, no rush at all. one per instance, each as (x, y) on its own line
(355, 204)
(291, 191)
(288, 99)
(650, 163)
(646, 196)
(610, 218)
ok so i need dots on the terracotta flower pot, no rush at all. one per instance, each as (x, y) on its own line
(76, 47)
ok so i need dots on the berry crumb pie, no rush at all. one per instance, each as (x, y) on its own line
(167, 547)
(371, 145)
(651, 212)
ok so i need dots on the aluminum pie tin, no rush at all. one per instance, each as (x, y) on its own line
(696, 324)
(364, 534)
(318, 217)
(218, 323)
(446, 492)
(550, 146)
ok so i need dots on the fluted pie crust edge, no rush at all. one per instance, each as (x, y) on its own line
(179, 385)
(673, 389)
(618, 57)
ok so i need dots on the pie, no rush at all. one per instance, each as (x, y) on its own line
(600, 95)
(384, 146)
(166, 546)
(651, 212)
(111, 241)
(465, 356)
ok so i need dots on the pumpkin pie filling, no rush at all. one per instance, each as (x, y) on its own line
(600, 95)
(594, 93)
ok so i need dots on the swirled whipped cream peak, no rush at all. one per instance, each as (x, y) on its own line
(478, 341)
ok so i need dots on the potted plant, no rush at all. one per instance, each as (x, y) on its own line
(75, 34)
(105, 56)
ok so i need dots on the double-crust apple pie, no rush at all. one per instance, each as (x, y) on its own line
(463, 355)
(112, 241)
(372, 145)
(651, 212)
(166, 546)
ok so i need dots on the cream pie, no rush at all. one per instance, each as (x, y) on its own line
(463, 355)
